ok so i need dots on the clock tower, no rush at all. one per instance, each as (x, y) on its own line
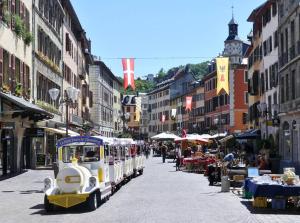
(233, 44)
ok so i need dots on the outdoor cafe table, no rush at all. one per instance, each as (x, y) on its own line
(271, 190)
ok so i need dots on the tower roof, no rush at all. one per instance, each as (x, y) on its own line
(232, 22)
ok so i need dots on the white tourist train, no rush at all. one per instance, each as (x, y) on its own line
(90, 169)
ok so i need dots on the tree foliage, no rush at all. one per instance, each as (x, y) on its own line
(198, 70)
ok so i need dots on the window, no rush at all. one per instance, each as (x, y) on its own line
(292, 33)
(287, 88)
(265, 48)
(115, 99)
(127, 109)
(246, 76)
(267, 79)
(282, 89)
(246, 97)
(270, 44)
(275, 39)
(90, 99)
(274, 9)
(293, 83)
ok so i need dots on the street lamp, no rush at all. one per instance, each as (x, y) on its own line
(70, 100)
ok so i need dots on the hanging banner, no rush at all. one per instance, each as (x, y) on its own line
(128, 70)
(188, 103)
(163, 118)
(222, 74)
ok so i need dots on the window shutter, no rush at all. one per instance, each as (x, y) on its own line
(91, 99)
(67, 42)
(13, 77)
(1, 66)
(21, 75)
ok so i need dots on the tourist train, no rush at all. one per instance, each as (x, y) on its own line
(91, 169)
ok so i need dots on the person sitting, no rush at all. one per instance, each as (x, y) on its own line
(262, 163)
(90, 156)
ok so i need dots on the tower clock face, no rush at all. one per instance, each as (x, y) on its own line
(234, 48)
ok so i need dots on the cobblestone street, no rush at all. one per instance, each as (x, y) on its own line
(160, 195)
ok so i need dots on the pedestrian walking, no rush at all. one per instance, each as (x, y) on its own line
(164, 152)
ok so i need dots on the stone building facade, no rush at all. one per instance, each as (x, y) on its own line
(289, 92)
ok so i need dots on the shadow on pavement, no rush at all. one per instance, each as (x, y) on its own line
(31, 192)
(8, 176)
(78, 209)
(269, 210)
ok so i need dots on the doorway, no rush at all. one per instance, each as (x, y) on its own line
(6, 151)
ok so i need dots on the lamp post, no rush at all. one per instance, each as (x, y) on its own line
(70, 100)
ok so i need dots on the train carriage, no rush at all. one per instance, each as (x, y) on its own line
(83, 175)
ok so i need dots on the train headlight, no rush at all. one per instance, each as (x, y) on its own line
(93, 181)
(48, 183)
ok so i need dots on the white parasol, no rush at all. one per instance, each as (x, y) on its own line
(165, 136)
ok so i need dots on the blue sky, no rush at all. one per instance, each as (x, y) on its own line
(160, 29)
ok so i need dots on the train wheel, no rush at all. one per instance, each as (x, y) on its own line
(48, 207)
(92, 202)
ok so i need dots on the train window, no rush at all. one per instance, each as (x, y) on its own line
(81, 153)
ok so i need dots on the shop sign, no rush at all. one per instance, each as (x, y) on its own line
(7, 125)
(79, 139)
(36, 132)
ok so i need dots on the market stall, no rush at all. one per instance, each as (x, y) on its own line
(277, 188)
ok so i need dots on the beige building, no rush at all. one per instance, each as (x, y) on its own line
(159, 102)
(18, 111)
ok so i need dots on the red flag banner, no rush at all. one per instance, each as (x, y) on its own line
(128, 70)
(188, 103)
(163, 118)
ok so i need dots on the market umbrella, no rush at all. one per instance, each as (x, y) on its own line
(219, 135)
(206, 136)
(165, 136)
(192, 137)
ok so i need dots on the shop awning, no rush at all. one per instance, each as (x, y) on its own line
(70, 132)
(56, 131)
(62, 131)
(225, 139)
(250, 134)
(21, 107)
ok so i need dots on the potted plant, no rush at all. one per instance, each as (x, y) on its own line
(19, 25)
(28, 38)
(6, 88)
(19, 90)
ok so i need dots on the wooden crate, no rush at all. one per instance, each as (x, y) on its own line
(260, 202)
